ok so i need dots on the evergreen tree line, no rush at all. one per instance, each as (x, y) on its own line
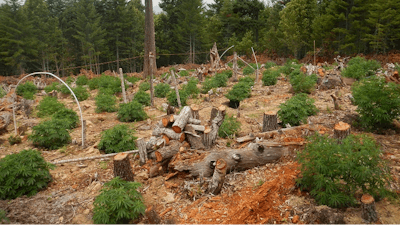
(55, 34)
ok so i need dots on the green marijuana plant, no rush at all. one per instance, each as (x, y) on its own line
(14, 139)
(48, 106)
(145, 86)
(161, 90)
(23, 173)
(359, 67)
(118, 202)
(219, 80)
(302, 83)
(51, 134)
(69, 117)
(81, 93)
(191, 88)
(52, 87)
(82, 80)
(229, 127)
(296, 110)
(117, 139)
(270, 77)
(143, 98)
(106, 102)
(26, 90)
(172, 99)
(130, 112)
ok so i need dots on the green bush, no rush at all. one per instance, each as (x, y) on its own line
(69, 80)
(69, 116)
(229, 127)
(145, 86)
(3, 218)
(270, 77)
(132, 79)
(64, 89)
(105, 91)
(105, 103)
(161, 90)
(301, 83)
(228, 73)
(82, 80)
(23, 173)
(289, 66)
(130, 112)
(143, 98)
(113, 83)
(378, 102)
(2, 92)
(359, 67)
(117, 139)
(219, 80)
(172, 99)
(184, 73)
(118, 202)
(191, 88)
(94, 83)
(351, 166)
(247, 80)
(239, 92)
(48, 106)
(81, 93)
(14, 139)
(51, 134)
(269, 64)
(53, 86)
(26, 90)
(248, 70)
(296, 110)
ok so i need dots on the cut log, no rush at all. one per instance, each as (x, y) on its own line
(218, 177)
(341, 130)
(153, 216)
(166, 138)
(160, 143)
(207, 140)
(335, 102)
(142, 151)
(368, 209)
(195, 140)
(245, 139)
(170, 133)
(182, 120)
(270, 121)
(167, 152)
(211, 136)
(236, 159)
(195, 112)
(192, 127)
(166, 121)
(170, 110)
(190, 120)
(214, 112)
(151, 143)
(122, 167)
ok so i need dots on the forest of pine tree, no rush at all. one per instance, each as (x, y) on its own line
(59, 35)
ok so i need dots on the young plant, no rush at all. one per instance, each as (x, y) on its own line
(351, 166)
(81, 93)
(219, 80)
(52, 87)
(3, 218)
(69, 116)
(161, 90)
(229, 127)
(191, 88)
(130, 112)
(113, 83)
(173, 100)
(50, 134)
(145, 86)
(64, 89)
(26, 90)
(48, 106)
(143, 98)
(184, 73)
(239, 92)
(359, 67)
(269, 64)
(23, 173)
(296, 110)
(270, 77)
(2, 92)
(378, 102)
(14, 139)
(248, 70)
(132, 79)
(117, 139)
(106, 103)
(301, 83)
(119, 202)
(82, 80)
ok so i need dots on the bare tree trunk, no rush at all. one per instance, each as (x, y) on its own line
(152, 60)
(235, 67)
(149, 43)
(121, 76)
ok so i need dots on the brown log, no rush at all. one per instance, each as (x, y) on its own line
(142, 151)
(218, 177)
(195, 111)
(166, 138)
(166, 121)
(170, 133)
(160, 143)
(153, 216)
(335, 102)
(170, 110)
(270, 121)
(182, 120)
(167, 152)
(150, 144)
(236, 159)
(368, 209)
(173, 118)
(156, 170)
(210, 137)
(341, 130)
(192, 128)
(122, 167)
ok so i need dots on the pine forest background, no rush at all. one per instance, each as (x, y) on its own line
(57, 35)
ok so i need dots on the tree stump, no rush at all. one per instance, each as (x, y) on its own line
(193, 138)
(142, 151)
(195, 111)
(207, 140)
(122, 167)
(270, 121)
(368, 209)
(218, 177)
(214, 112)
(341, 130)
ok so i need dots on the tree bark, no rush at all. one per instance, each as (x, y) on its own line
(152, 60)
(335, 102)
(218, 177)
(122, 167)
(207, 140)
(121, 76)
(341, 130)
(170, 133)
(167, 152)
(193, 138)
(142, 151)
(182, 120)
(150, 43)
(215, 124)
(195, 112)
(235, 67)
(368, 209)
(270, 121)
(178, 98)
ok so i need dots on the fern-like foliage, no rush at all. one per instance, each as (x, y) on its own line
(106, 102)
(23, 173)
(219, 80)
(118, 202)
(27, 90)
(113, 83)
(270, 77)
(143, 98)
(229, 127)
(69, 117)
(333, 172)
(53, 86)
(48, 106)
(117, 139)
(297, 109)
(359, 67)
(173, 100)
(81, 93)
(132, 111)
(82, 80)
(302, 83)
(14, 139)
(145, 86)
(51, 134)
(161, 90)
(191, 88)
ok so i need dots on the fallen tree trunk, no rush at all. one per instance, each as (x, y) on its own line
(236, 159)
(166, 153)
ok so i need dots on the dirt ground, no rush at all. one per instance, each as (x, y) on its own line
(264, 194)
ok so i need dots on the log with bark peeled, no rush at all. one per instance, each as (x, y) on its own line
(170, 133)
(270, 121)
(368, 209)
(142, 151)
(190, 120)
(122, 167)
(210, 136)
(167, 152)
(236, 159)
(341, 130)
(218, 177)
(182, 120)
(195, 111)
(193, 138)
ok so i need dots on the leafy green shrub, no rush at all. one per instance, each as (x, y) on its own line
(219, 80)
(26, 90)
(69, 80)
(247, 80)
(23, 173)
(239, 92)
(132, 79)
(248, 70)
(64, 90)
(161, 90)
(81, 93)
(353, 165)
(118, 202)
(82, 80)
(105, 103)
(113, 83)
(3, 218)
(184, 73)
(50, 134)
(51, 87)
(191, 88)
(69, 116)
(130, 112)
(228, 73)
(117, 139)
(142, 97)
(269, 64)
(229, 127)
(296, 110)
(94, 83)
(2, 92)
(378, 102)
(105, 91)
(172, 99)
(270, 77)
(301, 83)
(145, 86)
(48, 106)
(289, 66)
(14, 139)
(359, 67)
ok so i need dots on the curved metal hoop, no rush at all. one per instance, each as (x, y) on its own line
(79, 106)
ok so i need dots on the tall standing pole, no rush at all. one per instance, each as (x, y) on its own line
(314, 53)
(149, 38)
